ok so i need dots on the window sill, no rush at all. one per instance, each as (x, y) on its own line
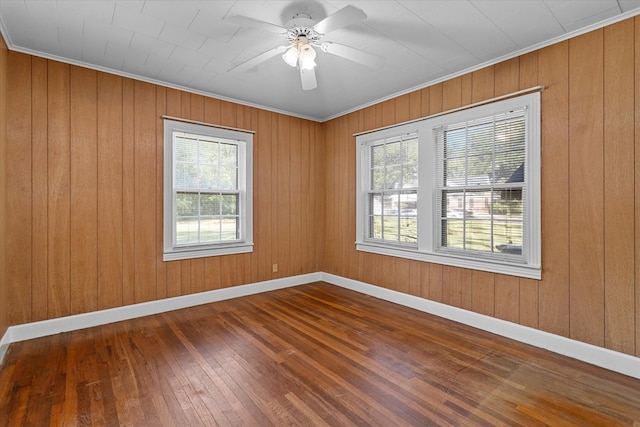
(189, 253)
(511, 269)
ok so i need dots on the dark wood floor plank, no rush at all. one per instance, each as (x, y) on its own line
(309, 355)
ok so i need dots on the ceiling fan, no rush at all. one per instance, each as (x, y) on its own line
(303, 34)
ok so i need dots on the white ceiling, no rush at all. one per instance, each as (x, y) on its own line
(187, 45)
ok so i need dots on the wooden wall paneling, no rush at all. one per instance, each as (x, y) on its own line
(331, 203)
(529, 305)
(173, 107)
(247, 262)
(424, 273)
(467, 291)
(507, 298)
(4, 284)
(59, 178)
(262, 216)
(483, 285)
(403, 108)
(619, 256)
(307, 215)
(275, 241)
(452, 94)
(483, 84)
(318, 196)
(507, 77)
(39, 190)
(110, 191)
(350, 220)
(401, 278)
(529, 314)
(197, 264)
(296, 211)
(637, 179)
(387, 112)
(586, 188)
(452, 286)
(425, 98)
(554, 286)
(436, 100)
(466, 92)
(18, 181)
(161, 266)
(128, 194)
(346, 175)
(84, 182)
(418, 278)
(435, 282)
(145, 191)
(283, 196)
(415, 105)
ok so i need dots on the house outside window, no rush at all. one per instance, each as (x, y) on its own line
(207, 191)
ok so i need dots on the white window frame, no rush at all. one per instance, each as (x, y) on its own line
(244, 244)
(427, 249)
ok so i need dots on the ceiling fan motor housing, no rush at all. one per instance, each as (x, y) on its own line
(302, 25)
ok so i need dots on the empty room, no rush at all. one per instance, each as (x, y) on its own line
(320, 213)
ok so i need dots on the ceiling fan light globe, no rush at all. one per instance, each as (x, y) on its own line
(291, 56)
(307, 57)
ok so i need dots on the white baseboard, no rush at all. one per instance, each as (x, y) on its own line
(599, 356)
(101, 317)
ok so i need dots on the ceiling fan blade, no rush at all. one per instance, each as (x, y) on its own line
(245, 21)
(308, 78)
(257, 60)
(346, 16)
(356, 55)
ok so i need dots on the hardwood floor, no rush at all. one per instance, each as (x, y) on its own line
(310, 355)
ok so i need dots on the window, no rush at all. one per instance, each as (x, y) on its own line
(392, 190)
(460, 189)
(207, 191)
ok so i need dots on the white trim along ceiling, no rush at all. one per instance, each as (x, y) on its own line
(199, 46)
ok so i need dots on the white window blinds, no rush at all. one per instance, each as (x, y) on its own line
(481, 181)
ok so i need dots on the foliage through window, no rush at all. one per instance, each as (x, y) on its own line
(460, 189)
(393, 184)
(206, 191)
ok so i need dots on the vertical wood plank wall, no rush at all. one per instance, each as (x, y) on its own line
(4, 319)
(84, 200)
(590, 212)
(84, 206)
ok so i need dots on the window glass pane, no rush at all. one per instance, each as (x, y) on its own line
(186, 175)
(376, 227)
(185, 148)
(229, 228)
(209, 204)
(208, 153)
(208, 177)
(394, 177)
(187, 231)
(186, 204)
(377, 178)
(229, 155)
(230, 204)
(228, 177)
(209, 229)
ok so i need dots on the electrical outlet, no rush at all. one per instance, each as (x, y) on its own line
(275, 268)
